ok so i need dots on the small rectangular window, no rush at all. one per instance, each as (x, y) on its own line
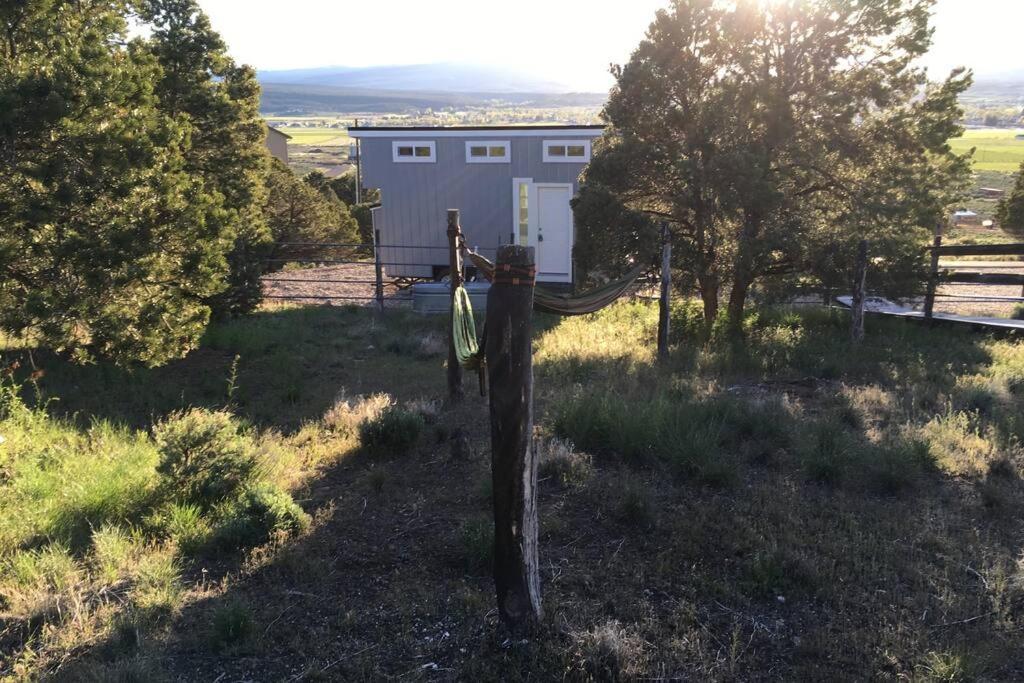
(411, 152)
(567, 151)
(488, 152)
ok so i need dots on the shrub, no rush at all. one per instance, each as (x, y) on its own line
(257, 514)
(204, 457)
(395, 430)
(346, 415)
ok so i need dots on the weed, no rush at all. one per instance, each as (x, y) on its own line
(947, 667)
(346, 415)
(826, 454)
(633, 502)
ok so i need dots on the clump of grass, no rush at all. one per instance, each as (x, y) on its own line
(113, 551)
(185, 524)
(346, 415)
(395, 430)
(826, 453)
(41, 584)
(205, 457)
(232, 625)
(428, 409)
(558, 460)
(896, 467)
(774, 571)
(632, 502)
(608, 652)
(947, 667)
(956, 440)
(157, 588)
(260, 512)
(476, 544)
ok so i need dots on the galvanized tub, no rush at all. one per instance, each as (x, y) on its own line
(435, 297)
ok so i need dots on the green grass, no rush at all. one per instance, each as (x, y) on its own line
(797, 504)
(997, 149)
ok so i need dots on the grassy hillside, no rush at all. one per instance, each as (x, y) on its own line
(795, 509)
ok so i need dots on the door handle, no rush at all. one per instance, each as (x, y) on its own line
(540, 238)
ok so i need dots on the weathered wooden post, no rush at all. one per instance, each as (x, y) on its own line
(933, 275)
(666, 290)
(455, 390)
(859, 281)
(509, 353)
(378, 270)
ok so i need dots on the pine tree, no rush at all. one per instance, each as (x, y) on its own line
(219, 100)
(109, 245)
(1010, 212)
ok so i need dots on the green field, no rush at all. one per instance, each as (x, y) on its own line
(316, 136)
(997, 149)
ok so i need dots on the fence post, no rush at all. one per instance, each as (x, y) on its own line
(455, 390)
(933, 275)
(509, 353)
(378, 270)
(666, 289)
(859, 277)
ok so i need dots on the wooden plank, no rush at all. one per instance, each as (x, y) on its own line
(859, 279)
(1014, 249)
(979, 278)
(666, 289)
(509, 353)
(933, 274)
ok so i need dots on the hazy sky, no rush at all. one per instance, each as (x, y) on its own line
(570, 41)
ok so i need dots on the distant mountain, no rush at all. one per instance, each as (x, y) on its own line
(455, 78)
(295, 98)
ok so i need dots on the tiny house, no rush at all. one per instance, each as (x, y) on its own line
(511, 184)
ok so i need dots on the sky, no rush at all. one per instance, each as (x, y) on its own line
(568, 41)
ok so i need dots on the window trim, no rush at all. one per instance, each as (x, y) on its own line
(506, 159)
(585, 144)
(414, 159)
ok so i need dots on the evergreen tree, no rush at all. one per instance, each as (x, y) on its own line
(219, 100)
(1010, 212)
(773, 136)
(296, 211)
(108, 245)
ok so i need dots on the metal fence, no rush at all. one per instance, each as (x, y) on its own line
(379, 287)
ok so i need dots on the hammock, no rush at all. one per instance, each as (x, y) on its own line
(547, 301)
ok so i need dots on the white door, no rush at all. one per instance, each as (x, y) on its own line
(543, 220)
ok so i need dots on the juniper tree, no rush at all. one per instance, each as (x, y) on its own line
(108, 244)
(774, 136)
(219, 100)
(1010, 212)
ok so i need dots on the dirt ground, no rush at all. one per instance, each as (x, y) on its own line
(320, 286)
(999, 309)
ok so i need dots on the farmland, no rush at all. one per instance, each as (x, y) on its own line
(996, 149)
(798, 506)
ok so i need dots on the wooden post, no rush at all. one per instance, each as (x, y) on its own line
(859, 278)
(378, 270)
(455, 390)
(666, 289)
(513, 465)
(933, 275)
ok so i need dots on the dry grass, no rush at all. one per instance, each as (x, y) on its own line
(798, 509)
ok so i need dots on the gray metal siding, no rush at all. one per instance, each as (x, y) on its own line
(416, 196)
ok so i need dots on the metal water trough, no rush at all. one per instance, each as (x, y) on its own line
(435, 297)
